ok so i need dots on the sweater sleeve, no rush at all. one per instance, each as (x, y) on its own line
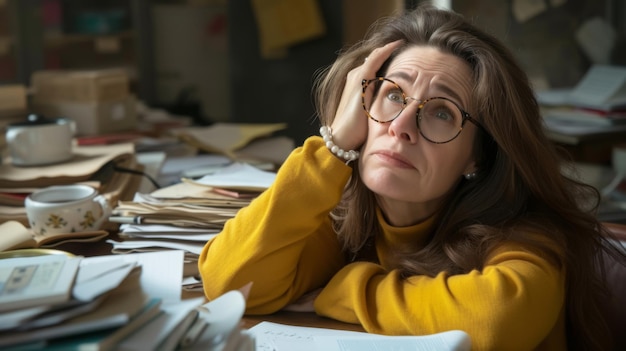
(282, 241)
(512, 304)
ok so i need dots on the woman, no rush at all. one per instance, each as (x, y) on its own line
(433, 202)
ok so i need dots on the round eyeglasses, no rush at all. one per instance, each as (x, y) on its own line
(439, 119)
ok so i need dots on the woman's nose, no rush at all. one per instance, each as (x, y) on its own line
(405, 125)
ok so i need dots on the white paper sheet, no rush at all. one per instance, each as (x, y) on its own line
(454, 340)
(240, 176)
(280, 337)
(159, 272)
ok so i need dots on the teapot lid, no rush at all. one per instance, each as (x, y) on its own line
(34, 119)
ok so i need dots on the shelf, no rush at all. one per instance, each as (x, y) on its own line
(44, 40)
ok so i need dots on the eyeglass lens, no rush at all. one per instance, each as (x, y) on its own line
(438, 119)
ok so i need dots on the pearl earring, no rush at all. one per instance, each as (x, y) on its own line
(470, 176)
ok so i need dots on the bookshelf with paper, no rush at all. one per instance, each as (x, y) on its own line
(594, 108)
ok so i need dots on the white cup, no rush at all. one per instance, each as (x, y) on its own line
(40, 141)
(66, 209)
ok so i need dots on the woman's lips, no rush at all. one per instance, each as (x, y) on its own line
(393, 159)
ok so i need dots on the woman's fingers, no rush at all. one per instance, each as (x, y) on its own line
(349, 127)
(377, 58)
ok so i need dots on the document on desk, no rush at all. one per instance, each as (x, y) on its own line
(238, 176)
(279, 337)
(226, 138)
(603, 87)
(157, 231)
(161, 275)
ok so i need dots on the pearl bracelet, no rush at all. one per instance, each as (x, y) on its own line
(327, 135)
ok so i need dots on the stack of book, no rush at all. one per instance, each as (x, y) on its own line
(184, 216)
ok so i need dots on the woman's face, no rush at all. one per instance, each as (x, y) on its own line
(410, 175)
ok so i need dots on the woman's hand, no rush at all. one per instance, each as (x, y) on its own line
(304, 303)
(349, 127)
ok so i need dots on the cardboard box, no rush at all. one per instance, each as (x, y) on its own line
(13, 98)
(93, 118)
(56, 86)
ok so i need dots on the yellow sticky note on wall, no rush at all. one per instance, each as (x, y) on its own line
(283, 23)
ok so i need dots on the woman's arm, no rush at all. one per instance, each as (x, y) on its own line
(513, 303)
(283, 241)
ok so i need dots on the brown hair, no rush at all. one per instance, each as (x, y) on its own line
(519, 194)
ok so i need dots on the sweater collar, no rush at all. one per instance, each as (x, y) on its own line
(415, 235)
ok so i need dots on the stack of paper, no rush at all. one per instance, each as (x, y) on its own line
(195, 325)
(108, 168)
(595, 107)
(186, 215)
(229, 138)
(48, 298)
(112, 302)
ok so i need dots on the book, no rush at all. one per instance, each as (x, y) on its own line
(36, 281)
(14, 235)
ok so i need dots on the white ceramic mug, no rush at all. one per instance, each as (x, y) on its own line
(66, 209)
(40, 141)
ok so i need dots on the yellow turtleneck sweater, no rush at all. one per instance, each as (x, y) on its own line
(283, 242)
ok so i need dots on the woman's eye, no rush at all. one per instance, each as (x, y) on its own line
(395, 96)
(444, 115)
